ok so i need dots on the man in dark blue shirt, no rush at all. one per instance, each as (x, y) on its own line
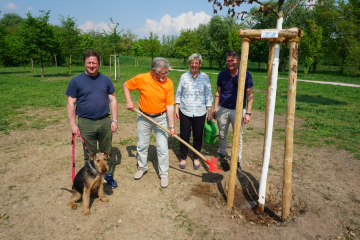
(225, 102)
(92, 92)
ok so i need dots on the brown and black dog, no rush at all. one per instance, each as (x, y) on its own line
(89, 180)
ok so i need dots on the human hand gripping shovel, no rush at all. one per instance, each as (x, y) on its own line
(212, 164)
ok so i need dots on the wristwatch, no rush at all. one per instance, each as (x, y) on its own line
(114, 121)
(248, 114)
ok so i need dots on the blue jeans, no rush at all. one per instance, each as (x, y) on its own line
(224, 118)
(144, 128)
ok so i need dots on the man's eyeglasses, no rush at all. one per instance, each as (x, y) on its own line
(163, 73)
(234, 80)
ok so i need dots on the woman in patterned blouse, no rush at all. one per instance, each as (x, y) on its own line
(193, 99)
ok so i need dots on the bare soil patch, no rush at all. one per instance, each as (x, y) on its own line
(36, 164)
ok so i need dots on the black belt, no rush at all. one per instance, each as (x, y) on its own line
(152, 115)
(106, 115)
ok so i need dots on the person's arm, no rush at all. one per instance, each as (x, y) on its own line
(114, 112)
(177, 116)
(249, 100)
(216, 102)
(170, 115)
(129, 103)
(72, 115)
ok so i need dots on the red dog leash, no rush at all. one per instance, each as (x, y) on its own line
(73, 153)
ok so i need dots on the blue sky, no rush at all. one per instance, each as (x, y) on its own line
(140, 16)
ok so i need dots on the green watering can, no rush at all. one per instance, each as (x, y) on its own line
(210, 130)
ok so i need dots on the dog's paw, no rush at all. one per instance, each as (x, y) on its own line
(104, 199)
(73, 205)
(87, 212)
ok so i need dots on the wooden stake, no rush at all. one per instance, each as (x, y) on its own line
(238, 122)
(268, 83)
(289, 128)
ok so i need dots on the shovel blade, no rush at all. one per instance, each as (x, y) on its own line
(212, 165)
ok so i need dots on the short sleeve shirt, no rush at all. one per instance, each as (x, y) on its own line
(154, 95)
(92, 93)
(229, 88)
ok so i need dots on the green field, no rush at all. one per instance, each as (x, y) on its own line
(331, 113)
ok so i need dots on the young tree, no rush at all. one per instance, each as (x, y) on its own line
(69, 37)
(38, 36)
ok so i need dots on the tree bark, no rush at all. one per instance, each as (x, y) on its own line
(314, 66)
(55, 60)
(70, 64)
(42, 66)
(32, 61)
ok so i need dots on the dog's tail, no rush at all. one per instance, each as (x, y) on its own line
(67, 190)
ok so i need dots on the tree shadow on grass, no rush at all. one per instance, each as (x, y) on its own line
(14, 72)
(54, 75)
(304, 98)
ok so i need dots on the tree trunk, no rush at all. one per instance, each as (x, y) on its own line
(32, 61)
(342, 64)
(55, 60)
(70, 64)
(42, 66)
(314, 67)
(185, 62)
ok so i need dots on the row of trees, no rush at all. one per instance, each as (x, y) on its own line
(332, 37)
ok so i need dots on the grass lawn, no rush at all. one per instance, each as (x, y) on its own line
(331, 112)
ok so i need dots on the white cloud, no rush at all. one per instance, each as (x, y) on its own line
(169, 25)
(29, 8)
(11, 6)
(88, 25)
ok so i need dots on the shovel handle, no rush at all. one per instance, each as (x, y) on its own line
(178, 138)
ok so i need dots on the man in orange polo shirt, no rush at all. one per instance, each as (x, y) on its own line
(156, 101)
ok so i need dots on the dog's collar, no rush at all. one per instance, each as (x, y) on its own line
(94, 170)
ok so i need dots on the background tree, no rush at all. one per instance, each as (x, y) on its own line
(39, 36)
(310, 45)
(87, 42)
(168, 46)
(218, 39)
(114, 36)
(11, 19)
(151, 46)
(136, 51)
(187, 43)
(234, 41)
(69, 37)
(126, 42)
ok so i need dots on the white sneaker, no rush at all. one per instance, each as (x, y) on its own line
(164, 182)
(140, 172)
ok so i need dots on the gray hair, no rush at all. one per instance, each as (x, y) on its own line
(195, 56)
(232, 53)
(159, 62)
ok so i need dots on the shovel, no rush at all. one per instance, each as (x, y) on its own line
(212, 163)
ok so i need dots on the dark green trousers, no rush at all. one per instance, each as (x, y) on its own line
(94, 132)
